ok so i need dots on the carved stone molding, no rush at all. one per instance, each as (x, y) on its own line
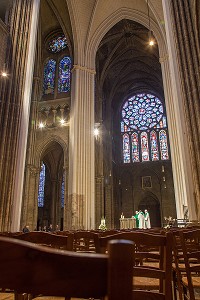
(78, 67)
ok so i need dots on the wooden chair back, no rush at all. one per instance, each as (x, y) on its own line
(152, 270)
(86, 241)
(34, 269)
(47, 239)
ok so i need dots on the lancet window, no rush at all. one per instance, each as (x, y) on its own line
(41, 186)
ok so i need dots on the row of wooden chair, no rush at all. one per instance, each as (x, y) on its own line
(186, 268)
(151, 260)
(37, 270)
(152, 253)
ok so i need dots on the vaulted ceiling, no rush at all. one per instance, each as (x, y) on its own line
(126, 64)
(55, 18)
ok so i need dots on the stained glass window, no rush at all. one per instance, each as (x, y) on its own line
(126, 148)
(62, 192)
(154, 146)
(41, 186)
(64, 74)
(135, 147)
(163, 145)
(49, 77)
(144, 146)
(141, 112)
(142, 122)
(57, 44)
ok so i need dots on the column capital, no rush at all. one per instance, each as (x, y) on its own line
(78, 67)
(34, 171)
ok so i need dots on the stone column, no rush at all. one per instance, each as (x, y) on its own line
(66, 209)
(183, 104)
(30, 202)
(99, 196)
(81, 200)
(23, 29)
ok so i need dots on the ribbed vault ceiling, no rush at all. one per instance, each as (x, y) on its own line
(126, 64)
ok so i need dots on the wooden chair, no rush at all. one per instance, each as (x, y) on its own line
(190, 241)
(180, 281)
(152, 270)
(47, 239)
(178, 265)
(29, 268)
(86, 241)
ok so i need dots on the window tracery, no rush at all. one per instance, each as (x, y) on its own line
(144, 129)
(57, 44)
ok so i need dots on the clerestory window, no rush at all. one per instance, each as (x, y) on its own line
(57, 68)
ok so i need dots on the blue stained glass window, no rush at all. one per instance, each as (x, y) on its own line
(64, 74)
(163, 145)
(126, 148)
(49, 76)
(58, 44)
(154, 146)
(41, 186)
(62, 192)
(135, 147)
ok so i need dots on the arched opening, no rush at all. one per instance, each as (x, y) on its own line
(51, 188)
(153, 206)
(133, 122)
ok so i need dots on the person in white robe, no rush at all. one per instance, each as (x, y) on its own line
(147, 219)
(141, 220)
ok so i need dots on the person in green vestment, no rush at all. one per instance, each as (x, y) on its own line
(136, 218)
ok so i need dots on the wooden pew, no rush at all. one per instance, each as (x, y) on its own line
(29, 268)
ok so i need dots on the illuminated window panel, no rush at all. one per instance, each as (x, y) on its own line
(139, 115)
(144, 146)
(154, 146)
(57, 44)
(135, 147)
(41, 186)
(64, 74)
(163, 145)
(142, 111)
(49, 77)
(126, 148)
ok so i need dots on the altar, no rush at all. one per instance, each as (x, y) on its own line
(127, 223)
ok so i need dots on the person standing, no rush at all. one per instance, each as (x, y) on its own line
(141, 220)
(136, 219)
(50, 228)
(147, 219)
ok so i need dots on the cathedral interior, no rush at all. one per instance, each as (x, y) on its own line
(99, 112)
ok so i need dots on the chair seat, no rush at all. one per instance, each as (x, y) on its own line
(195, 281)
(180, 266)
(151, 264)
(145, 283)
